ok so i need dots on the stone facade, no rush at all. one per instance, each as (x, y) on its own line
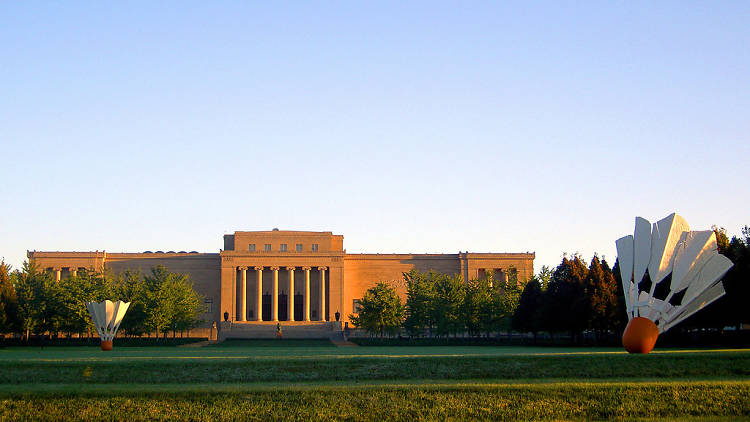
(249, 280)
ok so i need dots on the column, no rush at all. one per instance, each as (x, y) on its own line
(74, 271)
(322, 293)
(233, 312)
(58, 273)
(306, 311)
(290, 297)
(275, 297)
(243, 294)
(259, 296)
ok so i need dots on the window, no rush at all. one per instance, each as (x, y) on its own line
(268, 247)
(209, 305)
(500, 274)
(252, 247)
(356, 306)
(314, 247)
(299, 247)
(283, 247)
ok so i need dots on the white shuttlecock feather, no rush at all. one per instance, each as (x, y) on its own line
(669, 247)
(107, 317)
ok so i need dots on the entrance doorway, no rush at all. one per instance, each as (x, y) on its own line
(298, 307)
(267, 308)
(283, 307)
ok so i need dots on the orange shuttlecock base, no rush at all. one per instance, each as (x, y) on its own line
(640, 335)
(106, 345)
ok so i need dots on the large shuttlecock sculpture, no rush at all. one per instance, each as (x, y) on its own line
(107, 317)
(687, 267)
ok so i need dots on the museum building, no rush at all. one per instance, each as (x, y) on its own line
(299, 277)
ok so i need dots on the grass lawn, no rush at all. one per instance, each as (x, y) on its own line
(315, 380)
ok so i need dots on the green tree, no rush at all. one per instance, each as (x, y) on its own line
(74, 292)
(420, 293)
(526, 317)
(545, 275)
(507, 296)
(737, 282)
(530, 313)
(731, 306)
(37, 299)
(447, 305)
(8, 301)
(601, 299)
(722, 241)
(564, 299)
(479, 313)
(380, 311)
(129, 286)
(188, 305)
(169, 301)
(159, 301)
(620, 317)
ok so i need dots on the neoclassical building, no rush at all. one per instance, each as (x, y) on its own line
(299, 277)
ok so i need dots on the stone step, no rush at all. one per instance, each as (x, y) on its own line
(289, 329)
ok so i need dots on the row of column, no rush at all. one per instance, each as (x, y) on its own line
(58, 272)
(275, 294)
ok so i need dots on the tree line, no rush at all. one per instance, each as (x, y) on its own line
(573, 298)
(33, 302)
(439, 305)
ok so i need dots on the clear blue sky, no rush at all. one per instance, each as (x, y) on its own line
(404, 126)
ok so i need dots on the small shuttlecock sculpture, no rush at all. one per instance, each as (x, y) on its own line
(687, 267)
(107, 317)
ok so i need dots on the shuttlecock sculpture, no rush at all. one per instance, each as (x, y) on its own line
(107, 317)
(685, 266)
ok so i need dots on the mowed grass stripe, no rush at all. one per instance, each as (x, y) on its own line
(93, 354)
(510, 402)
(720, 365)
(72, 389)
(338, 356)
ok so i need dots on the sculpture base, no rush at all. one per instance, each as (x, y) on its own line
(106, 345)
(640, 335)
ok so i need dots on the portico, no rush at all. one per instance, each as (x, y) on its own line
(275, 293)
(282, 276)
